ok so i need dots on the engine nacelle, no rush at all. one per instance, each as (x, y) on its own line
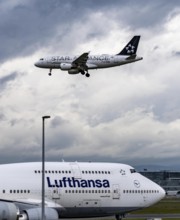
(35, 214)
(65, 66)
(8, 211)
(73, 71)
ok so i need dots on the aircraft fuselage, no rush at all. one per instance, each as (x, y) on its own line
(78, 189)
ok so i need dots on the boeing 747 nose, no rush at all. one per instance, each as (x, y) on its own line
(162, 193)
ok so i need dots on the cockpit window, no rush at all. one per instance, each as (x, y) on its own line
(41, 59)
(132, 170)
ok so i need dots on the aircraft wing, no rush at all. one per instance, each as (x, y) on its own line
(81, 61)
(31, 203)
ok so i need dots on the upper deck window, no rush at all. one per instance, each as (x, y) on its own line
(42, 59)
(132, 170)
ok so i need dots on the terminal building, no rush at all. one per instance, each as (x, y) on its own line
(169, 180)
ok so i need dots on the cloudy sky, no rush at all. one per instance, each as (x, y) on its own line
(128, 114)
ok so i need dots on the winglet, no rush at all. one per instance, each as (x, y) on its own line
(131, 47)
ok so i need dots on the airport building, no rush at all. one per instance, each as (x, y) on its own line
(169, 180)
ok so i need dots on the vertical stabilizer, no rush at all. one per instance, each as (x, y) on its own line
(131, 47)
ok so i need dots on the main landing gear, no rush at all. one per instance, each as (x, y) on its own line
(50, 72)
(119, 217)
(85, 73)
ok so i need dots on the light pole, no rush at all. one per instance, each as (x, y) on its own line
(43, 166)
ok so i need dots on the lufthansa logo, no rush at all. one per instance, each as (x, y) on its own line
(136, 183)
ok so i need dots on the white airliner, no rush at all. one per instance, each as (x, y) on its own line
(74, 190)
(84, 62)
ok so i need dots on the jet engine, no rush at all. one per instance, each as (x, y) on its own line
(73, 71)
(8, 211)
(35, 214)
(65, 66)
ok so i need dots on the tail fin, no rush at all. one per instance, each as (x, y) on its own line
(131, 47)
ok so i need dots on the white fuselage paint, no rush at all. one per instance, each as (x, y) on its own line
(93, 62)
(79, 189)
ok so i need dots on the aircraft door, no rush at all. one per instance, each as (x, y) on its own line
(56, 194)
(76, 170)
(145, 198)
(116, 191)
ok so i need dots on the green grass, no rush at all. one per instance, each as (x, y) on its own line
(165, 206)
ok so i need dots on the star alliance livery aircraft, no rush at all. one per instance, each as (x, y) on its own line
(74, 190)
(84, 62)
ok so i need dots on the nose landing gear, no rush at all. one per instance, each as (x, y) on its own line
(50, 72)
(119, 217)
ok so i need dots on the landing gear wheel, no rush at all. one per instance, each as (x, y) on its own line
(119, 217)
(87, 75)
(50, 72)
(82, 72)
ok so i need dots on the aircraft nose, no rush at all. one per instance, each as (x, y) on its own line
(162, 193)
(36, 64)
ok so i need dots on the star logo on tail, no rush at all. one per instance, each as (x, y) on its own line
(130, 49)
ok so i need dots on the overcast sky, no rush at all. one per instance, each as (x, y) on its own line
(128, 114)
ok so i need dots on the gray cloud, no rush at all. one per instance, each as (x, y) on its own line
(123, 114)
(6, 79)
(28, 26)
(57, 121)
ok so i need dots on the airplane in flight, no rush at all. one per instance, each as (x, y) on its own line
(84, 62)
(74, 190)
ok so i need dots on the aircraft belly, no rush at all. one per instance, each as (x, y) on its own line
(78, 212)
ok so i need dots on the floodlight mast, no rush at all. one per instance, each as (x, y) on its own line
(43, 217)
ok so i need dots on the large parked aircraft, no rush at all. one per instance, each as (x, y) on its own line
(74, 189)
(84, 62)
